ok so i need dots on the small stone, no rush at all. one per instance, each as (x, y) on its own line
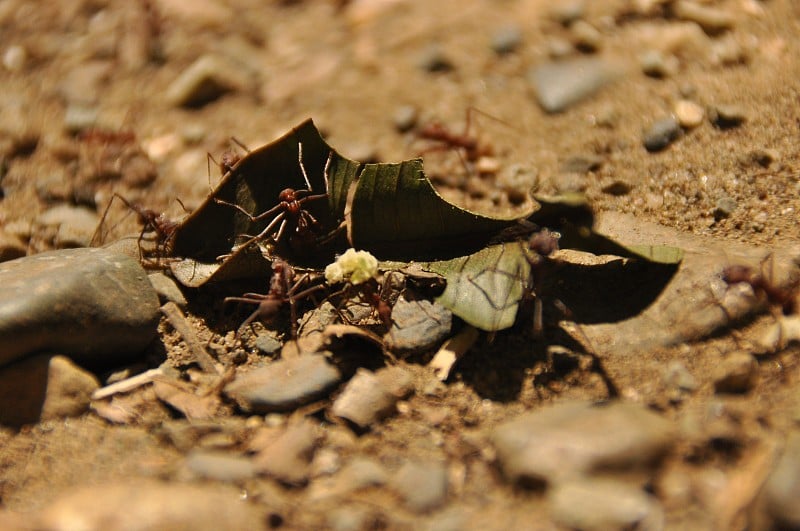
(405, 118)
(760, 157)
(167, 289)
(656, 64)
(95, 305)
(369, 397)
(506, 40)
(727, 116)
(725, 206)
(74, 226)
(80, 117)
(433, 59)
(711, 19)
(738, 373)
(417, 326)
(688, 113)
(782, 489)
(288, 458)
(208, 78)
(678, 377)
(268, 344)
(587, 38)
(779, 335)
(617, 188)
(14, 58)
(559, 48)
(568, 11)
(574, 438)
(284, 384)
(582, 163)
(220, 466)
(152, 504)
(421, 485)
(604, 504)
(44, 388)
(662, 133)
(562, 84)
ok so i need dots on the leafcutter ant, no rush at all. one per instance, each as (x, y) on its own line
(291, 223)
(785, 297)
(161, 227)
(282, 289)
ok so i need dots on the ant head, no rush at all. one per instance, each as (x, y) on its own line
(288, 195)
(737, 273)
(544, 242)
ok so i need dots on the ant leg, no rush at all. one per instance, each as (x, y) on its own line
(302, 166)
(240, 144)
(248, 214)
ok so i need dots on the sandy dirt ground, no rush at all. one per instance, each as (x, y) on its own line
(370, 73)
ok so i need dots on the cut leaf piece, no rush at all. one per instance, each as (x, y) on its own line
(485, 288)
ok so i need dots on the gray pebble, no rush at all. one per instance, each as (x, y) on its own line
(44, 388)
(369, 397)
(405, 118)
(738, 373)
(92, 304)
(506, 40)
(80, 117)
(725, 206)
(167, 289)
(205, 80)
(587, 38)
(604, 505)
(284, 384)
(560, 85)
(662, 133)
(727, 116)
(421, 485)
(268, 344)
(220, 466)
(655, 64)
(417, 326)
(781, 491)
(288, 458)
(433, 59)
(572, 438)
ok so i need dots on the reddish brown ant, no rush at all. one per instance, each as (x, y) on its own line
(785, 297)
(282, 290)
(163, 228)
(290, 216)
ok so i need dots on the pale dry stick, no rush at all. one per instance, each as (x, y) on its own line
(176, 318)
(451, 351)
(128, 384)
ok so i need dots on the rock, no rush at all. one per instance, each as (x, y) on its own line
(288, 457)
(208, 78)
(15, 57)
(284, 384)
(662, 133)
(369, 397)
(738, 373)
(421, 485)
(220, 466)
(688, 113)
(562, 84)
(417, 326)
(80, 117)
(779, 335)
(44, 388)
(74, 226)
(268, 344)
(711, 19)
(725, 206)
(678, 377)
(582, 163)
(727, 116)
(92, 304)
(506, 40)
(568, 11)
(778, 498)
(167, 289)
(405, 118)
(604, 505)
(586, 37)
(574, 438)
(433, 59)
(655, 64)
(149, 504)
